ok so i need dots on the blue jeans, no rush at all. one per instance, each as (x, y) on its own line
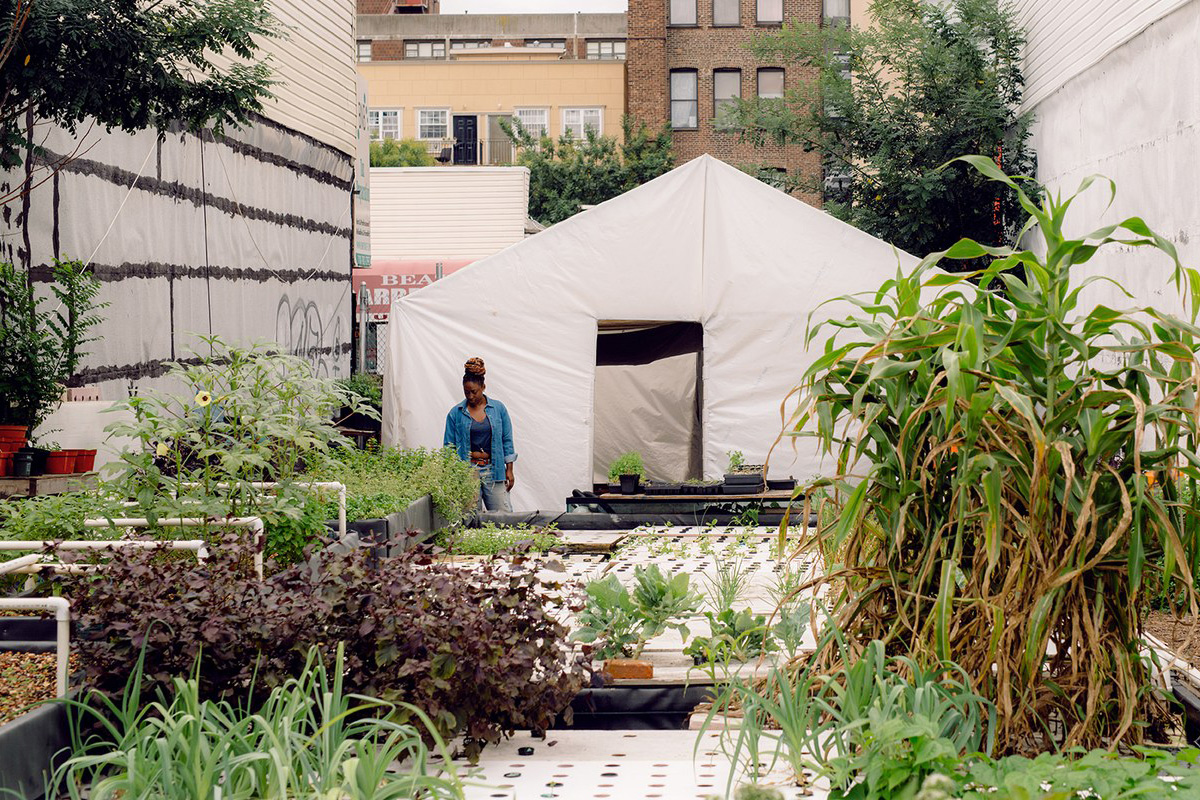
(493, 494)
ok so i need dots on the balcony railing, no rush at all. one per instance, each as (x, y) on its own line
(478, 152)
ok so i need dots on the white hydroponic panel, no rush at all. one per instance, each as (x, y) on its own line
(630, 765)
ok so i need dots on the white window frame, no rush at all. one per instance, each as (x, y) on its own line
(582, 124)
(611, 55)
(783, 85)
(737, 14)
(694, 99)
(719, 103)
(469, 44)
(683, 20)
(433, 45)
(421, 124)
(376, 126)
(758, 13)
(548, 44)
(360, 44)
(545, 112)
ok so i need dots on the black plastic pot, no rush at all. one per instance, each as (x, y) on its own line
(630, 484)
(22, 464)
(633, 708)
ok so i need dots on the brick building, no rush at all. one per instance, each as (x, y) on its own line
(399, 6)
(388, 35)
(685, 57)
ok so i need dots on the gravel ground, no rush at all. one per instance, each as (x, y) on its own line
(1176, 633)
(26, 678)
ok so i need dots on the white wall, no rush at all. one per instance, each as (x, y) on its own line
(1132, 114)
(446, 212)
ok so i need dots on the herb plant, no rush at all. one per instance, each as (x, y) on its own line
(736, 636)
(310, 738)
(627, 464)
(491, 539)
(381, 482)
(480, 651)
(40, 347)
(624, 622)
(992, 495)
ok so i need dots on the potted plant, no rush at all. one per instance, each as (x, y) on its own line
(629, 470)
(743, 478)
(40, 348)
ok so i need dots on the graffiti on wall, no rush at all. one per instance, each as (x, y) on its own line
(302, 330)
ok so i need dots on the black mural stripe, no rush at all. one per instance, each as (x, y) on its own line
(276, 160)
(108, 273)
(158, 367)
(178, 191)
(304, 137)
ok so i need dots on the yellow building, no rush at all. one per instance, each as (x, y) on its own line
(455, 104)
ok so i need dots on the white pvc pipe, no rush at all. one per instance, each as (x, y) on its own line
(62, 616)
(17, 564)
(255, 524)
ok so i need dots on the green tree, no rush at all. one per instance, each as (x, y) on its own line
(130, 65)
(889, 104)
(570, 173)
(402, 153)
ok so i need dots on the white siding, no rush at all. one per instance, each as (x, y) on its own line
(1068, 36)
(447, 212)
(1133, 116)
(314, 63)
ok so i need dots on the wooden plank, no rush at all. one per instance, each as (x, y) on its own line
(592, 541)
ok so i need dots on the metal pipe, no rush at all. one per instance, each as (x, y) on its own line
(62, 616)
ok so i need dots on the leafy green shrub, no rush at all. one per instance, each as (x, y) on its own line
(491, 539)
(736, 636)
(480, 651)
(627, 464)
(243, 415)
(401, 153)
(365, 385)
(993, 496)
(310, 739)
(381, 482)
(624, 622)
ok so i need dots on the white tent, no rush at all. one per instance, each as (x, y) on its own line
(703, 244)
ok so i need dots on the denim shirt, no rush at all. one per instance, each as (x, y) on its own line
(458, 434)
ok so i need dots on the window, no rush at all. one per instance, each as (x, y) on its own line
(364, 50)
(727, 12)
(684, 109)
(683, 12)
(470, 45)
(548, 43)
(836, 9)
(535, 120)
(770, 11)
(770, 83)
(424, 49)
(384, 123)
(727, 88)
(578, 120)
(605, 51)
(432, 123)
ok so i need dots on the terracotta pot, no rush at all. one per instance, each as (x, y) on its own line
(60, 462)
(5, 463)
(11, 445)
(85, 460)
(12, 437)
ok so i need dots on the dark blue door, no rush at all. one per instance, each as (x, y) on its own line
(466, 140)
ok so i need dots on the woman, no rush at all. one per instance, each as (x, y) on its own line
(480, 430)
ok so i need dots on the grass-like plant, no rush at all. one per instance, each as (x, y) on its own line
(992, 436)
(310, 739)
(728, 583)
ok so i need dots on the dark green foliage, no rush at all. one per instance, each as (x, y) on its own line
(627, 464)
(925, 83)
(479, 651)
(570, 173)
(381, 482)
(40, 348)
(401, 153)
(491, 539)
(130, 65)
(366, 386)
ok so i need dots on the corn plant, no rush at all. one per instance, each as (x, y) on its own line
(993, 439)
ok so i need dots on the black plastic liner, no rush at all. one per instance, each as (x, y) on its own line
(635, 708)
(31, 746)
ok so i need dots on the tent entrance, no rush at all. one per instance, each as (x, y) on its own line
(648, 395)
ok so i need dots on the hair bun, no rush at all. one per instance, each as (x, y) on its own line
(474, 366)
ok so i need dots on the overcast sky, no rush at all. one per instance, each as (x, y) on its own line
(529, 6)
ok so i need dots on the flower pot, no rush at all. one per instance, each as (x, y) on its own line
(60, 462)
(630, 483)
(22, 464)
(38, 467)
(85, 460)
(5, 463)
(12, 438)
